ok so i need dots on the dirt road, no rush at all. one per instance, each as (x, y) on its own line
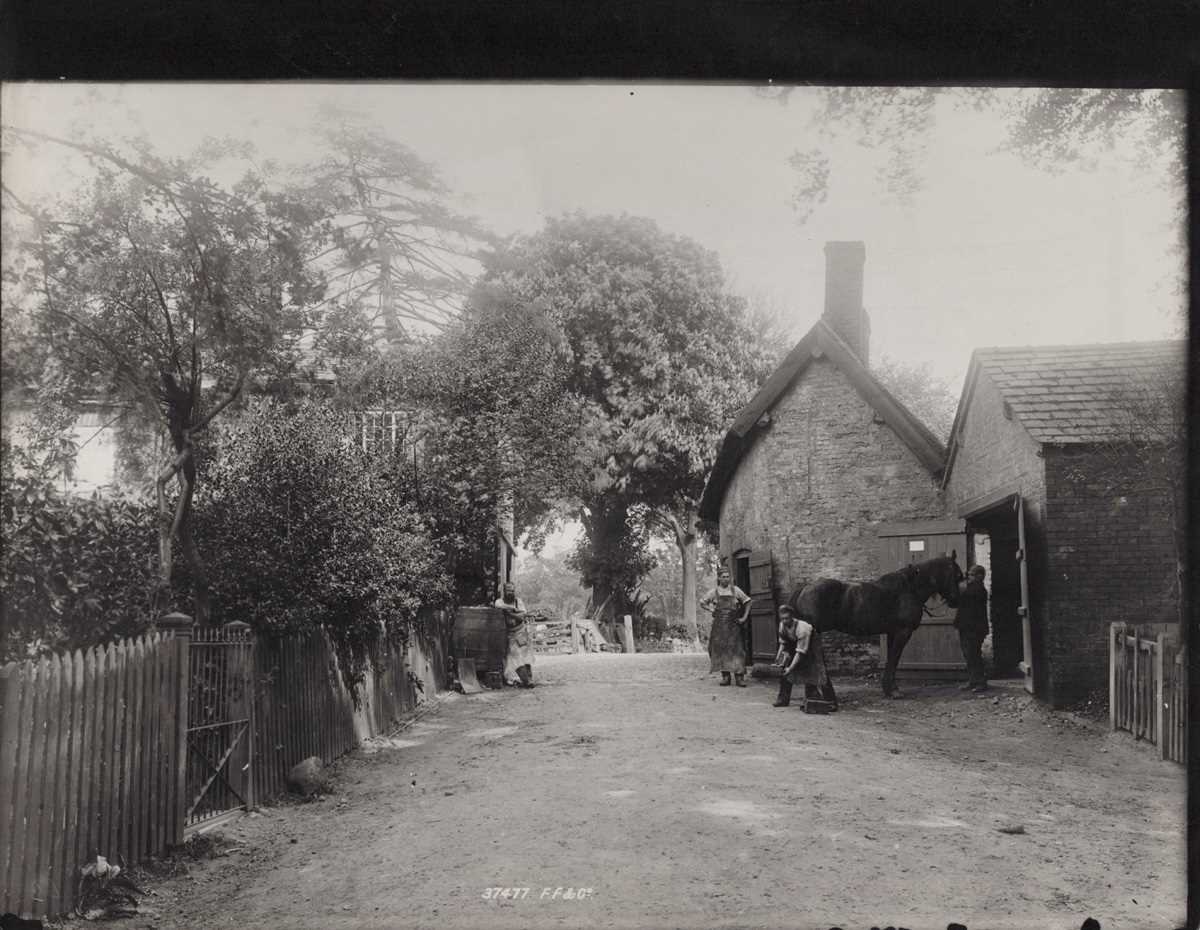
(631, 791)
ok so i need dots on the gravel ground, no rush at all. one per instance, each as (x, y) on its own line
(632, 791)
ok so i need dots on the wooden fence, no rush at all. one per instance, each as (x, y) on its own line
(87, 766)
(97, 756)
(1147, 687)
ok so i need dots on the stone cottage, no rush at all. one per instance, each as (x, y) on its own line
(824, 472)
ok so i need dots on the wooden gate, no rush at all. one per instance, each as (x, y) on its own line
(934, 648)
(220, 723)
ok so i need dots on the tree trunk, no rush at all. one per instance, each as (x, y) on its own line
(685, 541)
(606, 527)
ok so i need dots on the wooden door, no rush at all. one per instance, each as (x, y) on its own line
(933, 649)
(1026, 621)
(763, 635)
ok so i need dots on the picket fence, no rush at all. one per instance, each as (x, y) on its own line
(97, 756)
(1147, 687)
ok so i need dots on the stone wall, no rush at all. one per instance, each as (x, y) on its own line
(815, 487)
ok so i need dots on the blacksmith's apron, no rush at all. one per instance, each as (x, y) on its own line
(726, 644)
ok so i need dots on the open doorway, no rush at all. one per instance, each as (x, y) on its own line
(995, 545)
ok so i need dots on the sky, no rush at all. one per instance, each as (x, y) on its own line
(990, 252)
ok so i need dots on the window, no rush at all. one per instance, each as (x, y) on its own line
(381, 430)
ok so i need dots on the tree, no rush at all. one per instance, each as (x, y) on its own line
(399, 257)
(307, 534)
(923, 392)
(484, 426)
(163, 290)
(661, 357)
(1049, 127)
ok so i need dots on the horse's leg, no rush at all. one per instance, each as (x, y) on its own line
(889, 667)
(897, 640)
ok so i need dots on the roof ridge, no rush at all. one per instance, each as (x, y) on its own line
(1079, 346)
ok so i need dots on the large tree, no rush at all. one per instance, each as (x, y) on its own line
(398, 255)
(165, 291)
(162, 290)
(661, 356)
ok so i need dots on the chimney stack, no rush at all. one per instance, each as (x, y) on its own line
(844, 311)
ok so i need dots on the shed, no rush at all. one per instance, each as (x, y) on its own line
(1078, 536)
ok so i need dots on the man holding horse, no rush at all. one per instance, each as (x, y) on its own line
(972, 623)
(730, 607)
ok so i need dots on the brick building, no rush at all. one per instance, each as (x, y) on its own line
(1079, 537)
(825, 473)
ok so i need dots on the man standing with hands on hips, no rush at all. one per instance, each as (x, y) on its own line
(730, 607)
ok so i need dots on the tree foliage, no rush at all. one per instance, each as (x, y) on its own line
(660, 357)
(160, 289)
(921, 391)
(400, 259)
(1051, 128)
(74, 572)
(305, 534)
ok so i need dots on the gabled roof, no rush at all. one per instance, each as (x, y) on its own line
(819, 341)
(1069, 394)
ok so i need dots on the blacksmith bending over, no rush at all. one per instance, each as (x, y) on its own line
(802, 660)
(972, 623)
(730, 607)
(518, 662)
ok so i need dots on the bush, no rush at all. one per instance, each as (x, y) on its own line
(299, 534)
(75, 572)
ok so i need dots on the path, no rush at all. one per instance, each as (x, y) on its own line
(681, 804)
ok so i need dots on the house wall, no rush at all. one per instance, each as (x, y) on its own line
(996, 456)
(1111, 559)
(815, 486)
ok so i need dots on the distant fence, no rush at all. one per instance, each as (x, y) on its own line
(1147, 687)
(116, 751)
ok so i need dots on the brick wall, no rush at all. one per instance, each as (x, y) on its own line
(1110, 559)
(815, 487)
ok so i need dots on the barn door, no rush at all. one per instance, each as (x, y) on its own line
(763, 638)
(934, 648)
(1026, 621)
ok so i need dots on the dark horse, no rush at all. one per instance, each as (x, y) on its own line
(893, 604)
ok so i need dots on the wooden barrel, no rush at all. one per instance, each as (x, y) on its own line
(479, 634)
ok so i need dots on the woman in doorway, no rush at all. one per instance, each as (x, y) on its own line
(730, 606)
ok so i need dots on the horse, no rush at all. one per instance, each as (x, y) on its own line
(893, 604)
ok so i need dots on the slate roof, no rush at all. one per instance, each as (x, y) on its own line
(1075, 394)
(819, 341)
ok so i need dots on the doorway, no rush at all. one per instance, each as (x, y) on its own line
(998, 525)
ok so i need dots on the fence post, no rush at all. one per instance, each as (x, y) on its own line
(179, 627)
(1160, 717)
(1114, 631)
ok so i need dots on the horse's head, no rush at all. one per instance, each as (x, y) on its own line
(939, 576)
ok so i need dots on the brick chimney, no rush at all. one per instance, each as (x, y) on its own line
(844, 311)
